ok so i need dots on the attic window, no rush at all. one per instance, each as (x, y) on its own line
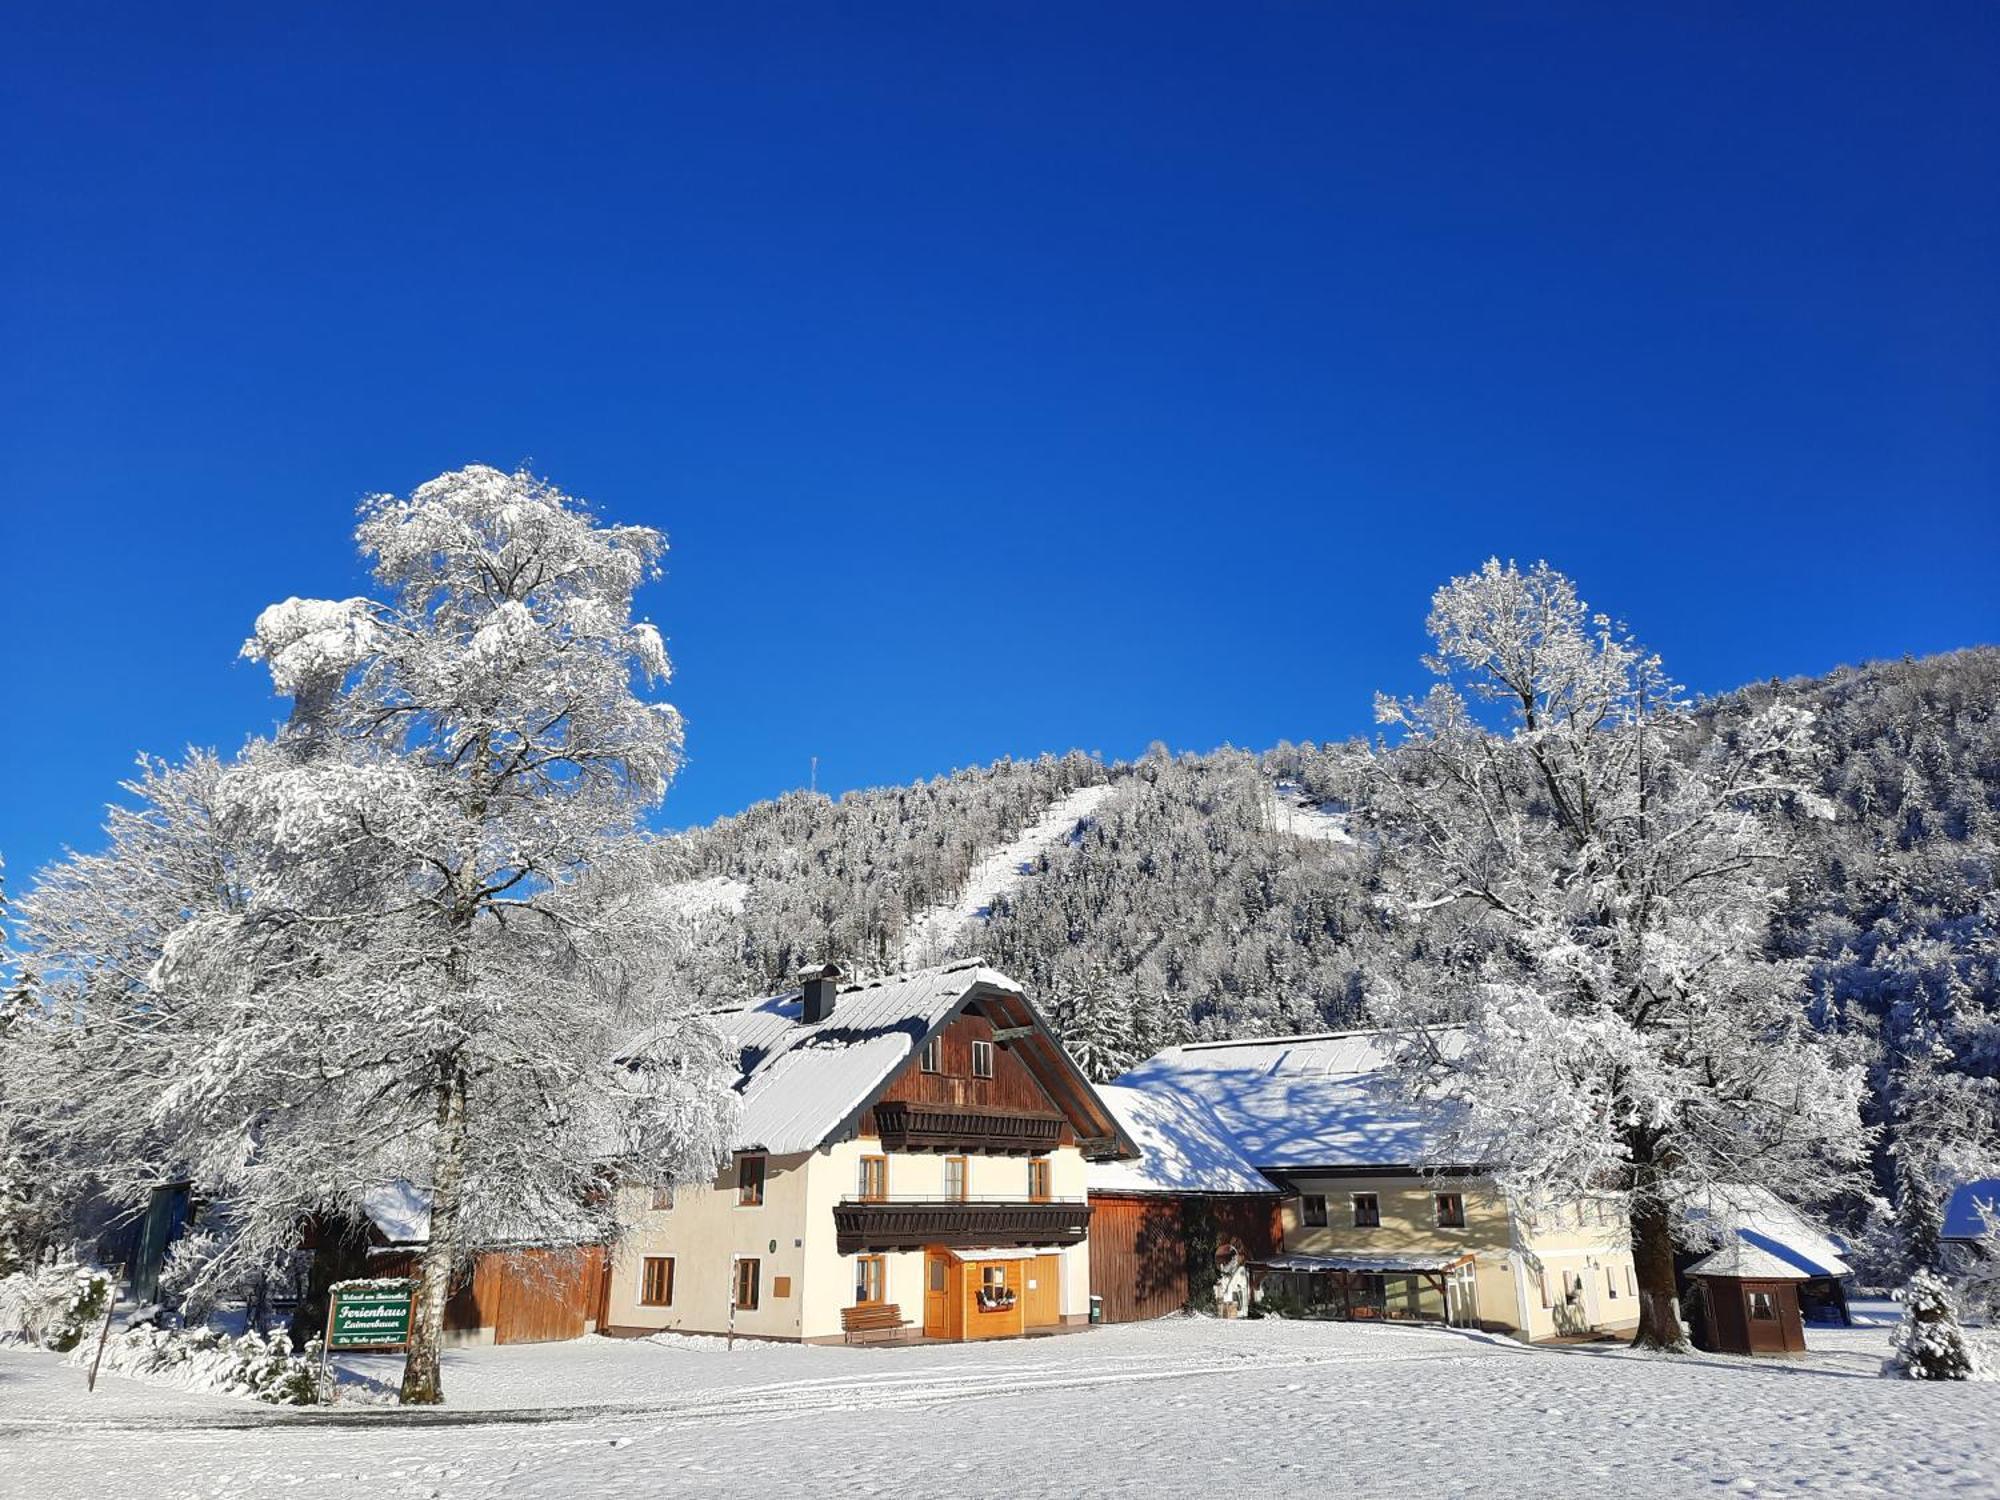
(750, 1181)
(1312, 1208)
(933, 1059)
(1450, 1211)
(982, 1059)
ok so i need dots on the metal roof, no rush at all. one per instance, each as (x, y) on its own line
(801, 1083)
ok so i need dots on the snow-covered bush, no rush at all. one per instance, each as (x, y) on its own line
(53, 1305)
(261, 1366)
(1928, 1344)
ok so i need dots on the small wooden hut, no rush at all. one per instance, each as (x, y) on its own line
(1749, 1302)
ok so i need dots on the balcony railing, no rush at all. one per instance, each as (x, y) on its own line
(945, 1127)
(958, 1223)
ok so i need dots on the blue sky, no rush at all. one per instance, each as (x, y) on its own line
(1008, 377)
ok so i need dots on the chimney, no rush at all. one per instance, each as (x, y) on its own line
(817, 988)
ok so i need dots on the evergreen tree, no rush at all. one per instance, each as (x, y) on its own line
(1928, 1344)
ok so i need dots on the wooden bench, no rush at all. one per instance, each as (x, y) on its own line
(872, 1317)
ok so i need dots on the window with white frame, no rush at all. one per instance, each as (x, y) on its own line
(982, 1059)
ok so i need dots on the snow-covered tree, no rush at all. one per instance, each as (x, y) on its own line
(1919, 1207)
(407, 939)
(1611, 874)
(1094, 1017)
(1928, 1344)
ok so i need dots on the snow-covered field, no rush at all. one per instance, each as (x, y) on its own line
(1178, 1407)
(930, 932)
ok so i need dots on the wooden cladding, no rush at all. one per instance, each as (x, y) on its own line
(1139, 1247)
(907, 1126)
(911, 1226)
(963, 1066)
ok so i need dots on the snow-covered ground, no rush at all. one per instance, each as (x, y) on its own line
(710, 896)
(1178, 1407)
(1294, 811)
(929, 935)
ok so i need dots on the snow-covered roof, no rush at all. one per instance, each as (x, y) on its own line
(400, 1210)
(1962, 1218)
(1765, 1221)
(800, 1082)
(1327, 1100)
(1752, 1262)
(1183, 1148)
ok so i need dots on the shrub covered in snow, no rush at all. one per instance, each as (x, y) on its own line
(259, 1365)
(1928, 1344)
(52, 1305)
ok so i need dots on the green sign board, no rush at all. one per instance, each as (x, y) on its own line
(375, 1318)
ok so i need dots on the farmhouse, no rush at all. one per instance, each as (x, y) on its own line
(909, 1157)
(1364, 1229)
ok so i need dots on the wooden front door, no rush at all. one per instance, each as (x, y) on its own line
(938, 1269)
(1766, 1305)
(1042, 1298)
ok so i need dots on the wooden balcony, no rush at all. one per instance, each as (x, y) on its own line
(957, 1224)
(946, 1127)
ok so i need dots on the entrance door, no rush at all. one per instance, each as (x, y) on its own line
(1764, 1315)
(1041, 1302)
(937, 1295)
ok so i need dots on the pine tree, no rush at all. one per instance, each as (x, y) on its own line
(1928, 1344)
(1919, 1208)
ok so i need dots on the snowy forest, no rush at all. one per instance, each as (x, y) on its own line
(425, 933)
(1236, 893)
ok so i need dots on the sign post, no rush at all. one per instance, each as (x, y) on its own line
(371, 1316)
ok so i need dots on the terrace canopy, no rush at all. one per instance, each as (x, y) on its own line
(1356, 1285)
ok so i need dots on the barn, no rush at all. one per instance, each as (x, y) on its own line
(1160, 1221)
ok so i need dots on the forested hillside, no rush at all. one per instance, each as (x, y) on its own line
(1231, 893)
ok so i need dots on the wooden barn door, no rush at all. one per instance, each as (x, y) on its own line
(543, 1295)
(1042, 1301)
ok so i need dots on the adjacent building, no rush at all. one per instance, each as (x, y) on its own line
(910, 1155)
(1369, 1227)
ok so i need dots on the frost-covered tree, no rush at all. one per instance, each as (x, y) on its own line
(1919, 1208)
(1093, 1014)
(413, 943)
(1928, 1344)
(1612, 879)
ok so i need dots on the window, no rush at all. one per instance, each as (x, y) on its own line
(656, 1281)
(1312, 1209)
(1367, 1211)
(940, 1274)
(750, 1181)
(982, 1059)
(869, 1278)
(1038, 1180)
(1450, 1211)
(1610, 1284)
(1763, 1307)
(663, 1198)
(954, 1178)
(874, 1178)
(933, 1059)
(1631, 1285)
(746, 1285)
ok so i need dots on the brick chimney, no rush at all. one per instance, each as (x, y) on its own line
(817, 987)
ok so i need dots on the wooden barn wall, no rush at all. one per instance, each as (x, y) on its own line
(524, 1296)
(1138, 1248)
